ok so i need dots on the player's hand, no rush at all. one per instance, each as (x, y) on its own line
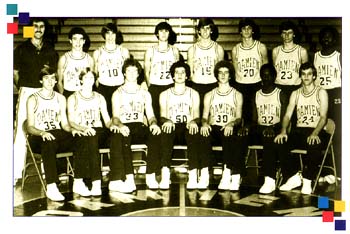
(155, 129)
(192, 127)
(228, 130)
(114, 129)
(281, 138)
(77, 132)
(124, 130)
(205, 130)
(90, 132)
(268, 132)
(243, 131)
(313, 139)
(46, 136)
(168, 126)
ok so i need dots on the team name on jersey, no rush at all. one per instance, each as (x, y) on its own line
(47, 115)
(310, 110)
(248, 63)
(328, 70)
(269, 109)
(288, 65)
(205, 65)
(222, 108)
(88, 116)
(180, 109)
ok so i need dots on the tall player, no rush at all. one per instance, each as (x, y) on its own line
(288, 57)
(247, 57)
(222, 117)
(72, 62)
(202, 57)
(328, 65)
(158, 60)
(48, 128)
(179, 107)
(130, 104)
(85, 108)
(311, 105)
(108, 60)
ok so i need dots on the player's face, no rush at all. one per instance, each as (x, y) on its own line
(77, 42)
(49, 81)
(39, 29)
(205, 32)
(88, 80)
(247, 31)
(131, 74)
(267, 77)
(110, 37)
(223, 75)
(287, 35)
(180, 75)
(163, 35)
(307, 76)
(327, 40)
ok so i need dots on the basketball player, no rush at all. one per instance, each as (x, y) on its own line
(158, 60)
(311, 104)
(72, 62)
(288, 57)
(179, 107)
(268, 110)
(202, 57)
(29, 58)
(108, 60)
(247, 57)
(328, 65)
(130, 103)
(48, 128)
(84, 110)
(222, 116)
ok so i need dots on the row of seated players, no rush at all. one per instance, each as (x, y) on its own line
(180, 123)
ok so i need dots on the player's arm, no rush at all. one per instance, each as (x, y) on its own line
(190, 61)
(116, 109)
(148, 59)
(71, 107)
(63, 112)
(61, 63)
(221, 53)
(274, 55)
(95, 57)
(304, 55)
(125, 53)
(167, 124)
(263, 53)
(152, 121)
(193, 124)
(104, 112)
(31, 103)
(234, 57)
(206, 128)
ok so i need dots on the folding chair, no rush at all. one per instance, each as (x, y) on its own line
(37, 161)
(330, 129)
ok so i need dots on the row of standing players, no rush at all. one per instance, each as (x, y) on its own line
(201, 59)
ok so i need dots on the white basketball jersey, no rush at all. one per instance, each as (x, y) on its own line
(88, 110)
(47, 113)
(308, 108)
(249, 61)
(268, 107)
(179, 106)
(287, 65)
(204, 60)
(132, 105)
(222, 107)
(109, 66)
(72, 69)
(160, 65)
(328, 70)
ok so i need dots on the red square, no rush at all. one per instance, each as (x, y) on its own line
(12, 28)
(327, 216)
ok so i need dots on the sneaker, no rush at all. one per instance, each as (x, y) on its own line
(204, 179)
(130, 183)
(292, 182)
(96, 188)
(151, 181)
(80, 188)
(306, 189)
(192, 179)
(269, 185)
(330, 179)
(225, 180)
(165, 182)
(53, 193)
(235, 182)
(118, 186)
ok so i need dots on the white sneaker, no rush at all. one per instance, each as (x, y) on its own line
(96, 188)
(225, 180)
(130, 183)
(118, 186)
(269, 185)
(165, 182)
(292, 182)
(203, 179)
(306, 189)
(235, 182)
(53, 193)
(80, 188)
(192, 179)
(330, 179)
(151, 181)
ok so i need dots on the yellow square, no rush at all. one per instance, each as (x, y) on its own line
(339, 206)
(28, 32)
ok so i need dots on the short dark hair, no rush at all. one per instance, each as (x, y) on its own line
(180, 64)
(286, 25)
(306, 66)
(172, 35)
(77, 30)
(84, 71)
(268, 66)
(113, 28)
(249, 22)
(228, 65)
(330, 29)
(131, 62)
(214, 29)
(47, 70)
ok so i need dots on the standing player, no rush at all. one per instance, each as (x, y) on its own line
(130, 103)
(202, 57)
(158, 60)
(85, 108)
(108, 60)
(328, 65)
(288, 57)
(247, 57)
(28, 59)
(222, 116)
(48, 128)
(179, 107)
(72, 62)
(311, 104)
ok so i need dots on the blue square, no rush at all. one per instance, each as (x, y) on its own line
(11, 9)
(23, 18)
(340, 225)
(323, 202)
